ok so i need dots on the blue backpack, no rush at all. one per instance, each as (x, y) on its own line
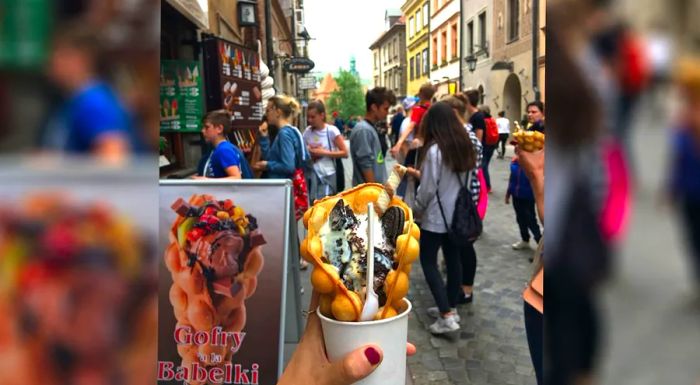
(246, 171)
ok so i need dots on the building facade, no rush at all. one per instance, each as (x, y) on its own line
(389, 56)
(445, 52)
(477, 30)
(416, 13)
(511, 79)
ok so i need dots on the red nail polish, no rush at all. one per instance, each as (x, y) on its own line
(372, 356)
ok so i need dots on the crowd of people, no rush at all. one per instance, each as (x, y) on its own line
(446, 146)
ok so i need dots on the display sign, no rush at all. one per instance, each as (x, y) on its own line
(307, 83)
(233, 83)
(223, 279)
(181, 96)
(299, 65)
(24, 32)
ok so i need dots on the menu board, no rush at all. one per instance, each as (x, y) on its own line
(233, 83)
(181, 91)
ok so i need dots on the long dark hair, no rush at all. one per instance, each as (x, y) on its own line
(440, 126)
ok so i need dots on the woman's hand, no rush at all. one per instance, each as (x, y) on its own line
(318, 152)
(413, 172)
(310, 366)
(259, 166)
(531, 162)
(263, 129)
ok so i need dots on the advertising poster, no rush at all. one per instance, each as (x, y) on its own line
(78, 265)
(181, 96)
(233, 83)
(222, 281)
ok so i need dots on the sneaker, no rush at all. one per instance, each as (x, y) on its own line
(464, 299)
(444, 325)
(435, 313)
(522, 245)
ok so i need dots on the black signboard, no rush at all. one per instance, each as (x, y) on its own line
(299, 65)
(233, 83)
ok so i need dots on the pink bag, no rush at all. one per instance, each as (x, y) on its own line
(617, 203)
(483, 195)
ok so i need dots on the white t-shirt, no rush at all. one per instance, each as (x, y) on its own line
(404, 125)
(324, 138)
(503, 125)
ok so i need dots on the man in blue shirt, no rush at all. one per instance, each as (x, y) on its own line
(92, 120)
(224, 160)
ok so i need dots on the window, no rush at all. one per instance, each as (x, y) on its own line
(470, 37)
(435, 6)
(453, 40)
(411, 69)
(410, 26)
(482, 30)
(513, 20)
(396, 48)
(376, 60)
(425, 61)
(417, 60)
(443, 46)
(425, 15)
(435, 53)
(419, 24)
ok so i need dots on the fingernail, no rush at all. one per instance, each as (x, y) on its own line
(372, 356)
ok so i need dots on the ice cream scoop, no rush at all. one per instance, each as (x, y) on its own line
(345, 238)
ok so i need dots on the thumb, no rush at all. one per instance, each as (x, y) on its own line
(355, 366)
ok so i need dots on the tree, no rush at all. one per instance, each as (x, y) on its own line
(348, 99)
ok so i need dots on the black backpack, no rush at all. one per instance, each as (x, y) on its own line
(466, 224)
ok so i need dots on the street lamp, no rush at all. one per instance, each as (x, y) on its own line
(471, 62)
(247, 13)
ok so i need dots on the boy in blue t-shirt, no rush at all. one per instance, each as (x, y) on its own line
(224, 160)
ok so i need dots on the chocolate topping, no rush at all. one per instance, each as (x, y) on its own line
(392, 224)
(181, 207)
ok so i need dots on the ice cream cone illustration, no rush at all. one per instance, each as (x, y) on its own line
(173, 107)
(337, 245)
(214, 258)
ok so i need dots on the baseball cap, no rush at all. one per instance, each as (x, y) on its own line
(409, 102)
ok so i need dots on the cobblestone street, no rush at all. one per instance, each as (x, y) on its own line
(491, 347)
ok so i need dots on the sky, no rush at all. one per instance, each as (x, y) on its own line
(345, 28)
(342, 29)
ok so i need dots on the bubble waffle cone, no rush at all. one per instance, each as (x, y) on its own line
(336, 246)
(214, 258)
(529, 141)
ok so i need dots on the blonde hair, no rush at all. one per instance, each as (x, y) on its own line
(289, 106)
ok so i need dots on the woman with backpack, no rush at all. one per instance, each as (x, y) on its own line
(449, 162)
(287, 156)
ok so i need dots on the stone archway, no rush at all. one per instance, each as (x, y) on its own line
(512, 98)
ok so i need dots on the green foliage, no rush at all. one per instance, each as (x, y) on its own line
(349, 98)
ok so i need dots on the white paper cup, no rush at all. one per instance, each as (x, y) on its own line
(390, 334)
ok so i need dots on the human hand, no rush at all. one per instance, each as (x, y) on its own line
(259, 166)
(416, 143)
(310, 357)
(413, 172)
(263, 129)
(531, 162)
(198, 177)
(395, 150)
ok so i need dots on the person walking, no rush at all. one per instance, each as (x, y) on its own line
(447, 159)
(326, 145)
(365, 146)
(524, 205)
(425, 95)
(490, 143)
(458, 103)
(503, 133)
(396, 121)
